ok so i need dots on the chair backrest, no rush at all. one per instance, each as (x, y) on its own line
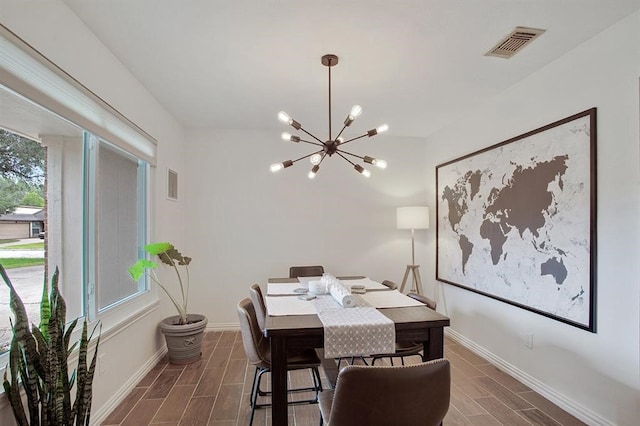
(254, 342)
(424, 299)
(306, 271)
(390, 284)
(255, 292)
(421, 395)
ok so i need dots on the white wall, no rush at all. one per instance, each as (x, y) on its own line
(595, 374)
(58, 34)
(247, 224)
(244, 224)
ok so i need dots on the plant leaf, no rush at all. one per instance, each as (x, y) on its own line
(155, 249)
(137, 269)
(45, 310)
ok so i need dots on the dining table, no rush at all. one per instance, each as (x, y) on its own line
(304, 330)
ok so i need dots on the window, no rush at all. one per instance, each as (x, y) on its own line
(116, 216)
(97, 163)
(96, 214)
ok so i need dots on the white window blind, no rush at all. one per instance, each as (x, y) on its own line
(35, 77)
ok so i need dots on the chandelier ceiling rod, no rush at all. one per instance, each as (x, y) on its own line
(329, 63)
(331, 146)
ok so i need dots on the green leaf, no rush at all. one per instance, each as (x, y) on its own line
(137, 269)
(45, 310)
(158, 248)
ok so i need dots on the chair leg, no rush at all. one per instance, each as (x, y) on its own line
(258, 392)
(253, 385)
(317, 382)
(254, 393)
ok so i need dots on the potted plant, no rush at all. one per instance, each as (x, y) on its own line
(183, 332)
(38, 363)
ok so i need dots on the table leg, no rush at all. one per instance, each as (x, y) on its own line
(434, 347)
(279, 381)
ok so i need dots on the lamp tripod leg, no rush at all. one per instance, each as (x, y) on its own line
(416, 279)
(404, 279)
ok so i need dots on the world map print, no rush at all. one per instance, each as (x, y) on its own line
(514, 221)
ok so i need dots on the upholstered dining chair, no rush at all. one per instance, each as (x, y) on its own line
(390, 284)
(257, 349)
(417, 394)
(431, 304)
(255, 292)
(306, 271)
(404, 349)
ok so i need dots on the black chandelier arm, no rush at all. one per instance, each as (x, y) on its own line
(345, 158)
(306, 156)
(312, 143)
(343, 127)
(313, 136)
(350, 153)
(354, 139)
(324, 155)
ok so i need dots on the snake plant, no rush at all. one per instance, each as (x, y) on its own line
(38, 360)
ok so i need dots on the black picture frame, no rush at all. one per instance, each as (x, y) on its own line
(516, 221)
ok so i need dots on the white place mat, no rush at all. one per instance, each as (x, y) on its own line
(356, 331)
(278, 306)
(279, 289)
(389, 299)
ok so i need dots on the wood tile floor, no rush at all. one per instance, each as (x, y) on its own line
(215, 391)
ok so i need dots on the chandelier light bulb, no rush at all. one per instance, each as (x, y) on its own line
(382, 128)
(284, 117)
(286, 136)
(313, 172)
(315, 159)
(356, 110)
(381, 164)
(364, 172)
(276, 167)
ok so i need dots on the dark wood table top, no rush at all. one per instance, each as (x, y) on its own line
(414, 317)
(405, 318)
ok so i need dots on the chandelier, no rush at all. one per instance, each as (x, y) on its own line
(332, 145)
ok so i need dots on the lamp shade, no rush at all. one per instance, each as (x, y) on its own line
(412, 218)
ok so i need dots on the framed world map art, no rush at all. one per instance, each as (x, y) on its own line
(517, 221)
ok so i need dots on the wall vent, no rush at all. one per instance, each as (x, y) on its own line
(514, 42)
(172, 185)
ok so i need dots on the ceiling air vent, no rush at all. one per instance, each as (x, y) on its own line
(514, 42)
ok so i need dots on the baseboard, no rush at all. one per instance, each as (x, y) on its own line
(99, 416)
(551, 394)
(223, 327)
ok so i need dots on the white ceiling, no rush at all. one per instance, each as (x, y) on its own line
(415, 64)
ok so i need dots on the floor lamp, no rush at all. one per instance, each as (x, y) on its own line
(412, 218)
